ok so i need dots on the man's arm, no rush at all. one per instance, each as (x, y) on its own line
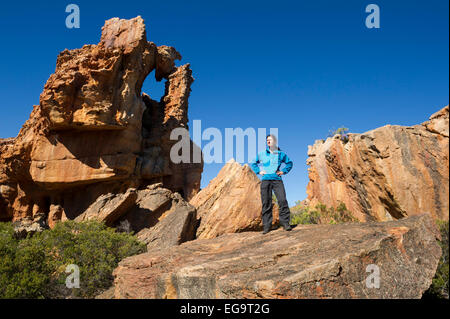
(254, 165)
(286, 160)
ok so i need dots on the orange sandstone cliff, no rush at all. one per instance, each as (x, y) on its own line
(94, 133)
(386, 173)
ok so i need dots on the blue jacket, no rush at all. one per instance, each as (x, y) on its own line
(271, 163)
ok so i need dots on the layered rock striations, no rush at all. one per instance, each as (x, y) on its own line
(311, 261)
(94, 133)
(388, 173)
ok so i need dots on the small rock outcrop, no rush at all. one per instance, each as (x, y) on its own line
(388, 173)
(230, 203)
(311, 261)
(26, 227)
(94, 133)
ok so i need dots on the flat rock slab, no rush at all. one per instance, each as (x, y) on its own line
(311, 261)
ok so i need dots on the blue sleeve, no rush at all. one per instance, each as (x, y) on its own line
(288, 162)
(254, 165)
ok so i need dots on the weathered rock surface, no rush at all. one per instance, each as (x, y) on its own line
(311, 261)
(93, 133)
(149, 208)
(387, 173)
(175, 226)
(109, 208)
(7, 192)
(160, 217)
(230, 203)
(25, 227)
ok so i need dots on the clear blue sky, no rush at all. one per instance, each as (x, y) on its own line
(304, 67)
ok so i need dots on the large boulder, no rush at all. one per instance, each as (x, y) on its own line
(151, 205)
(387, 173)
(109, 208)
(395, 259)
(94, 133)
(230, 203)
(159, 217)
(175, 226)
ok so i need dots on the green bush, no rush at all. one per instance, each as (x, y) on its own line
(321, 214)
(439, 286)
(342, 132)
(35, 267)
(305, 216)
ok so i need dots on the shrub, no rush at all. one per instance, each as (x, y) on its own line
(439, 285)
(342, 131)
(34, 267)
(305, 216)
(274, 199)
(321, 214)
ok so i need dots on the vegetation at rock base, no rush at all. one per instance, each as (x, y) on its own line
(321, 214)
(35, 267)
(439, 286)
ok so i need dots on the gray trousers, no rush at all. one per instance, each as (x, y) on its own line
(266, 197)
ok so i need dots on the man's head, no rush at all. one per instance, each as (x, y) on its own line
(271, 141)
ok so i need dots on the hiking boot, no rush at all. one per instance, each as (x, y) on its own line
(287, 227)
(272, 227)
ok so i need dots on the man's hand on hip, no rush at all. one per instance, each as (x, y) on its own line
(279, 173)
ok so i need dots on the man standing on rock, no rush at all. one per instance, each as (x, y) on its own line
(271, 160)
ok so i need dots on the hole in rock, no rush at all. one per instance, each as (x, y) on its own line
(154, 91)
(154, 88)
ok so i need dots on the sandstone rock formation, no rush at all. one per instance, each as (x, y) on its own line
(387, 173)
(7, 193)
(160, 217)
(230, 203)
(94, 134)
(176, 224)
(312, 261)
(109, 208)
(23, 228)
